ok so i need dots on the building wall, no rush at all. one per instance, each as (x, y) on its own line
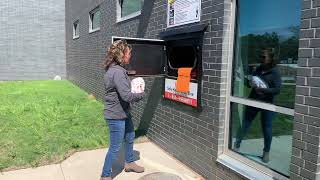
(32, 40)
(195, 138)
(306, 135)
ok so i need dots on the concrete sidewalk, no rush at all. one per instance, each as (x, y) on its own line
(87, 166)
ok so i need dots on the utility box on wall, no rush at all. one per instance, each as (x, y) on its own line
(177, 50)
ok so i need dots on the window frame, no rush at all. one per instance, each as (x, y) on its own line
(74, 35)
(130, 16)
(251, 168)
(96, 9)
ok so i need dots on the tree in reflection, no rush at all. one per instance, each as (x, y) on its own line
(285, 46)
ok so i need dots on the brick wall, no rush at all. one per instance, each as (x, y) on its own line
(306, 135)
(32, 40)
(196, 138)
(193, 137)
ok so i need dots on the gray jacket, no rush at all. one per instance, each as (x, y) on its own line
(118, 94)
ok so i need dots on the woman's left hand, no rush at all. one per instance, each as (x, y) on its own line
(259, 90)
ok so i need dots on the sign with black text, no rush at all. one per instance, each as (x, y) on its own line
(182, 12)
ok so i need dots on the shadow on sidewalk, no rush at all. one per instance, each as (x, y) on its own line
(118, 165)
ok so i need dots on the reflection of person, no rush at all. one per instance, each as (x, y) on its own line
(118, 97)
(269, 75)
(172, 13)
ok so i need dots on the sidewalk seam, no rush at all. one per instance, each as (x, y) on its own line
(62, 172)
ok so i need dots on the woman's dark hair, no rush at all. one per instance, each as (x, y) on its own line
(116, 52)
(270, 52)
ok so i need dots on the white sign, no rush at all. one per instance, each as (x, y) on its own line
(190, 98)
(183, 12)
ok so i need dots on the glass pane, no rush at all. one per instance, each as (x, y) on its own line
(130, 6)
(96, 20)
(254, 131)
(76, 29)
(266, 51)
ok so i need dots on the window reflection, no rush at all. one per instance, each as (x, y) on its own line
(130, 6)
(96, 20)
(265, 79)
(259, 29)
(76, 29)
(264, 69)
(256, 131)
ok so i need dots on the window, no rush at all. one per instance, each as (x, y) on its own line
(128, 9)
(76, 29)
(94, 19)
(263, 82)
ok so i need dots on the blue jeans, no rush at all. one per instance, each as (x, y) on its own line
(266, 124)
(120, 130)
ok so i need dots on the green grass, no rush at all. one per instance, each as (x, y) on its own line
(281, 125)
(42, 122)
(286, 97)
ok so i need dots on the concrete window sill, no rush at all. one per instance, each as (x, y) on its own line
(94, 30)
(241, 168)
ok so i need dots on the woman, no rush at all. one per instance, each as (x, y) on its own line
(117, 107)
(269, 73)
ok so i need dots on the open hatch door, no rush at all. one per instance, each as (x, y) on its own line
(148, 57)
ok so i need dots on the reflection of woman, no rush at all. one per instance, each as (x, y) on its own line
(270, 75)
(117, 105)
